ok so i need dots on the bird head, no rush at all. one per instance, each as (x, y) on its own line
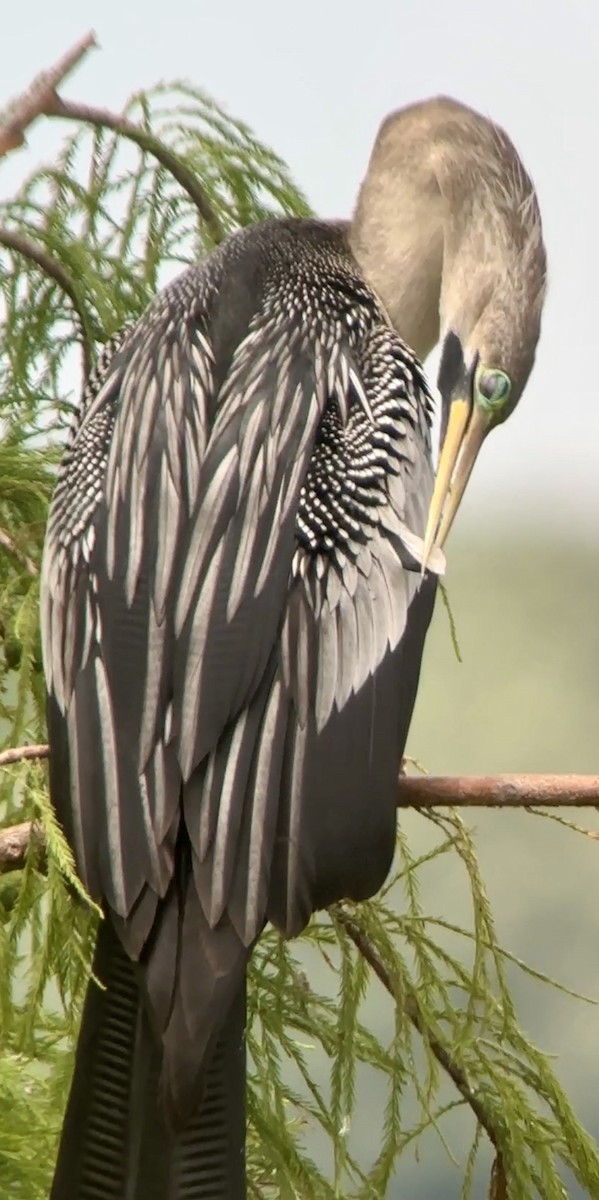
(449, 230)
(491, 297)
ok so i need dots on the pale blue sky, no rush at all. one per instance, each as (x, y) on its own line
(314, 81)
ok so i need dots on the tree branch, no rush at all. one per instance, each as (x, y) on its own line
(14, 844)
(101, 118)
(22, 112)
(8, 543)
(498, 791)
(42, 100)
(54, 269)
(410, 1006)
(424, 792)
(17, 754)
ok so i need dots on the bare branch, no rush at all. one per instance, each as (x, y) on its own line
(102, 119)
(8, 543)
(15, 840)
(431, 791)
(498, 1187)
(22, 753)
(14, 844)
(54, 269)
(498, 791)
(410, 1005)
(22, 112)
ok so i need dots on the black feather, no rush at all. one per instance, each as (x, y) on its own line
(232, 626)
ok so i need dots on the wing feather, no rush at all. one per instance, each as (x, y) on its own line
(181, 598)
(201, 657)
(116, 889)
(218, 497)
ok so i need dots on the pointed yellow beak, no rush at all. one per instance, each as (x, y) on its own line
(466, 430)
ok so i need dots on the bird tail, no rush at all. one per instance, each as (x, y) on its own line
(115, 1143)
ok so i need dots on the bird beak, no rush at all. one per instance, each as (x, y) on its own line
(466, 432)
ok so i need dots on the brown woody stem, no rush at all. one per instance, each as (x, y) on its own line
(8, 543)
(498, 791)
(14, 844)
(101, 118)
(410, 1006)
(17, 754)
(23, 111)
(424, 792)
(54, 269)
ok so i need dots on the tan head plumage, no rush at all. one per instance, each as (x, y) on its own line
(447, 230)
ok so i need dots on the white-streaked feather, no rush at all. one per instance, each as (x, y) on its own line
(361, 396)
(272, 547)
(269, 751)
(208, 816)
(168, 540)
(392, 577)
(333, 585)
(152, 688)
(232, 788)
(203, 367)
(252, 442)
(174, 438)
(76, 797)
(192, 465)
(114, 512)
(347, 633)
(381, 615)
(146, 386)
(89, 629)
(245, 558)
(296, 792)
(158, 767)
(109, 753)
(192, 688)
(327, 675)
(70, 621)
(155, 875)
(302, 658)
(216, 496)
(137, 509)
(273, 461)
(365, 659)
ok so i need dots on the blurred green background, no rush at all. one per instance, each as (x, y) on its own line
(525, 698)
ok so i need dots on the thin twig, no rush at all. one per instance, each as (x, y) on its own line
(498, 791)
(15, 840)
(8, 543)
(101, 118)
(410, 1006)
(17, 754)
(25, 109)
(54, 269)
(14, 844)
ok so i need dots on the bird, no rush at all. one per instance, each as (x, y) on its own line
(240, 568)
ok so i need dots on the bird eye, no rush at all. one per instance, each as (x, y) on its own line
(493, 388)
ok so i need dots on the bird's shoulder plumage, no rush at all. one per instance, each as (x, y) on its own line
(230, 566)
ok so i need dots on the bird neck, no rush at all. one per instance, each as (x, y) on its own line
(397, 237)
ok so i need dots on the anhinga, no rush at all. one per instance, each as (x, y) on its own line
(238, 577)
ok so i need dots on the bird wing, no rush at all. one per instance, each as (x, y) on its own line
(203, 672)
(166, 566)
(320, 824)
